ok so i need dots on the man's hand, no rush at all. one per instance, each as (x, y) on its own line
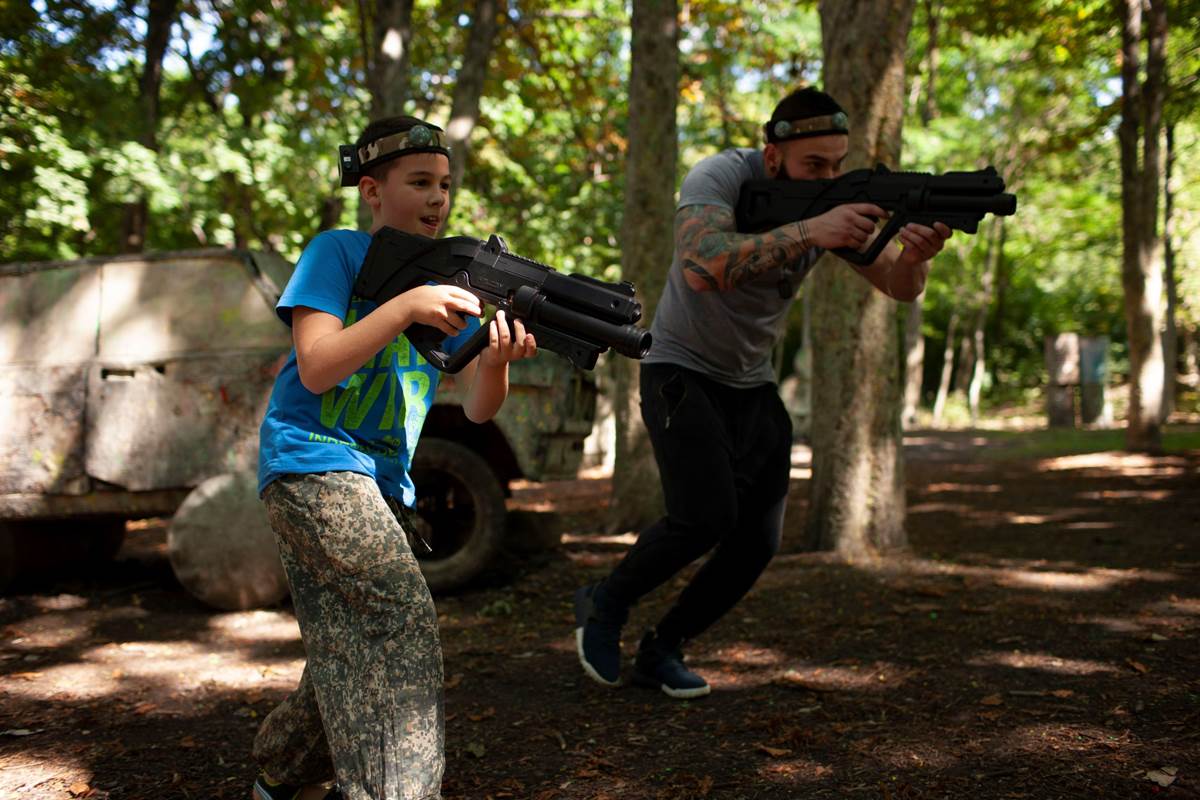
(504, 346)
(851, 225)
(921, 243)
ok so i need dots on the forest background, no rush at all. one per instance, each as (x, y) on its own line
(171, 125)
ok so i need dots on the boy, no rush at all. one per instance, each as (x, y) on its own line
(336, 445)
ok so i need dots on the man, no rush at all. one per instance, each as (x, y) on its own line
(721, 435)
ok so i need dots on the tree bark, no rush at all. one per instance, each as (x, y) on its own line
(857, 487)
(1141, 274)
(468, 89)
(646, 240)
(160, 17)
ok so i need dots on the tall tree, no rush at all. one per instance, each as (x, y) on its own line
(646, 239)
(857, 506)
(160, 17)
(468, 88)
(1141, 167)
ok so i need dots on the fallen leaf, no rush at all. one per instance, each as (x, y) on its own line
(476, 749)
(1137, 665)
(1163, 776)
(453, 680)
(20, 732)
(992, 700)
(79, 789)
(774, 752)
(1063, 693)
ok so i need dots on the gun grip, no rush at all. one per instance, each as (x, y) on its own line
(863, 259)
(428, 341)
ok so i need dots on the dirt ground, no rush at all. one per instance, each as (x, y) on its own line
(1042, 640)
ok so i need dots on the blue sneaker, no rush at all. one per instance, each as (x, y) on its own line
(598, 635)
(662, 667)
(267, 789)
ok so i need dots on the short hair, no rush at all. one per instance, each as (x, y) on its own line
(377, 129)
(807, 103)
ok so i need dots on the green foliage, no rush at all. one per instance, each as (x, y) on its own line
(256, 97)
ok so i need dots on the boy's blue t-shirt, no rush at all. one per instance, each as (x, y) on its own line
(370, 422)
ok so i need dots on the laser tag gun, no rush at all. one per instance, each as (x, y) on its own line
(957, 199)
(573, 315)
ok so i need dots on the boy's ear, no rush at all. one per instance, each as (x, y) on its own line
(368, 190)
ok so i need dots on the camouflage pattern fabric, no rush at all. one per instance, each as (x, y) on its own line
(369, 704)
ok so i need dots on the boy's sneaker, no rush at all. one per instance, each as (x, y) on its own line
(662, 667)
(267, 789)
(598, 635)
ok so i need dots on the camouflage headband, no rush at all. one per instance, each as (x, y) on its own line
(417, 139)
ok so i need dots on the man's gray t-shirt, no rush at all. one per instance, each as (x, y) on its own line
(727, 336)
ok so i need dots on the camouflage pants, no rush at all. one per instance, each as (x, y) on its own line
(369, 704)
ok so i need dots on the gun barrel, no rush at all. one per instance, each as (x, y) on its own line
(1002, 205)
(628, 340)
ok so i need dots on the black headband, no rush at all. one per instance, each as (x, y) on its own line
(780, 130)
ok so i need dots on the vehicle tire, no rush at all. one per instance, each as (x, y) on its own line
(40, 547)
(460, 510)
(8, 554)
(221, 546)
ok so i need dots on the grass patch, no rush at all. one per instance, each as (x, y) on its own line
(1054, 442)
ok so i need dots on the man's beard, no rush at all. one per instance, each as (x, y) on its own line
(782, 174)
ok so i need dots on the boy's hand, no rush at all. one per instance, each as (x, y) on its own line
(441, 307)
(505, 346)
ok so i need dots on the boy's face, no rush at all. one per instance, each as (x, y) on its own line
(413, 196)
(817, 157)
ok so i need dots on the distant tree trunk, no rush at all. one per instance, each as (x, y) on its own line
(1191, 356)
(857, 487)
(386, 28)
(1171, 334)
(646, 240)
(160, 17)
(1141, 273)
(468, 89)
(995, 248)
(939, 402)
(914, 361)
(929, 107)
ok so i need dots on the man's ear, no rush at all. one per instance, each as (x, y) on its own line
(772, 158)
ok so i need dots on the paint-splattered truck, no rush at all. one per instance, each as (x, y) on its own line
(133, 387)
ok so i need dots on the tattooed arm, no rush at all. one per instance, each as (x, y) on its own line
(716, 258)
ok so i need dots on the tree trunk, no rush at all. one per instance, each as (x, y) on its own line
(929, 107)
(468, 89)
(1141, 274)
(857, 486)
(914, 361)
(386, 34)
(939, 402)
(1171, 334)
(389, 57)
(991, 261)
(160, 17)
(646, 240)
